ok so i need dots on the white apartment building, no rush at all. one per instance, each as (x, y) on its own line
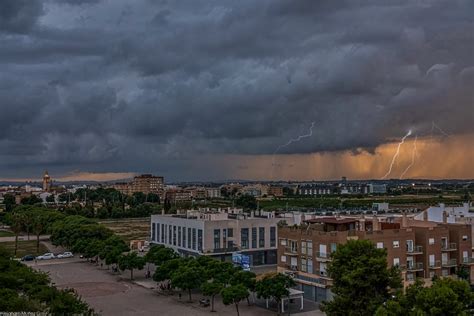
(219, 233)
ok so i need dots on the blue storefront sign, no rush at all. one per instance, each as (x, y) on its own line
(241, 260)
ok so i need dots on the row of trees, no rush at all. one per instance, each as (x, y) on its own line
(215, 277)
(24, 290)
(363, 285)
(31, 220)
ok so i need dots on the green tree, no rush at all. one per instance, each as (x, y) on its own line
(51, 198)
(9, 201)
(444, 297)
(274, 286)
(245, 278)
(164, 271)
(188, 276)
(31, 200)
(247, 202)
(233, 295)
(130, 262)
(361, 279)
(212, 289)
(16, 225)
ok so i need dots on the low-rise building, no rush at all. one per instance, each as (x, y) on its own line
(219, 233)
(275, 191)
(178, 195)
(213, 193)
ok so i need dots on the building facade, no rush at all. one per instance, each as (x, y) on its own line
(219, 234)
(421, 249)
(145, 183)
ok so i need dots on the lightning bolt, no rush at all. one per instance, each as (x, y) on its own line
(291, 141)
(396, 154)
(433, 126)
(413, 157)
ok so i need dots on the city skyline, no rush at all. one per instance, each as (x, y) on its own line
(102, 90)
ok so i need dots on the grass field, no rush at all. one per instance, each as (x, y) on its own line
(4, 233)
(24, 248)
(129, 229)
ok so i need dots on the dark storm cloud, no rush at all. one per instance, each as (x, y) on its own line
(146, 85)
(19, 16)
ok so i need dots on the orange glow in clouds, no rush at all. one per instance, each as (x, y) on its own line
(436, 158)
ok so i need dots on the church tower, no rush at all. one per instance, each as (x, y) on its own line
(46, 182)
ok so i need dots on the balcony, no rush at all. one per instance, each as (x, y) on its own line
(292, 267)
(449, 263)
(415, 266)
(323, 256)
(415, 250)
(449, 247)
(291, 251)
(435, 265)
(467, 261)
(225, 250)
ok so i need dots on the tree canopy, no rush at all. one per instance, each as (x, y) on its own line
(361, 279)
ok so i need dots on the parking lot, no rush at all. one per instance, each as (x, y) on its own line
(111, 294)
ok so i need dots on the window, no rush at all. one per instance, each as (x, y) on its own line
(217, 238)
(254, 237)
(261, 237)
(200, 239)
(174, 235)
(190, 238)
(184, 237)
(272, 236)
(432, 274)
(396, 262)
(244, 238)
(432, 260)
(170, 234)
(163, 233)
(431, 241)
(303, 247)
(445, 272)
(283, 258)
(304, 265)
(153, 231)
(396, 244)
(333, 247)
(224, 237)
(194, 238)
(410, 245)
(157, 232)
(230, 232)
(294, 246)
(309, 245)
(310, 265)
(179, 236)
(380, 245)
(464, 237)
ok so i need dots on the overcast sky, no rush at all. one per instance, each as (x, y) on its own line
(214, 89)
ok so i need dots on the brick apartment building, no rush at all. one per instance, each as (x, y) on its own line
(145, 183)
(421, 249)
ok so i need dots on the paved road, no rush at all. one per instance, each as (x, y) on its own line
(110, 294)
(23, 238)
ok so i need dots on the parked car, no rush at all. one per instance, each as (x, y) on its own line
(67, 254)
(46, 256)
(28, 258)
